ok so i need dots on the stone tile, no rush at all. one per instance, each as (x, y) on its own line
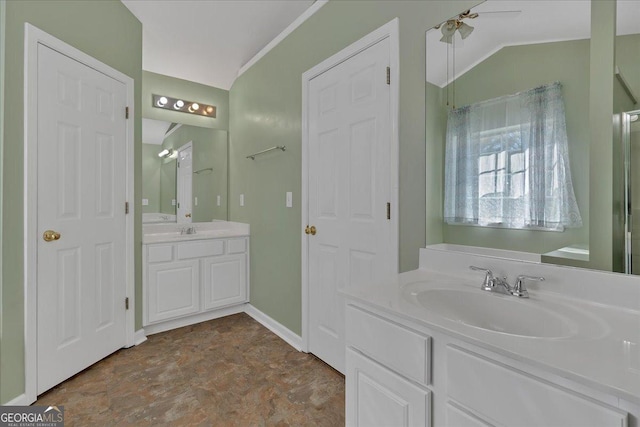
(225, 372)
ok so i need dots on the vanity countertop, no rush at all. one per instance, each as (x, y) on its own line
(169, 233)
(603, 354)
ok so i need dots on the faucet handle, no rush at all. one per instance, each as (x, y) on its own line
(519, 289)
(489, 280)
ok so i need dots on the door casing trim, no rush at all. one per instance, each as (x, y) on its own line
(33, 36)
(389, 30)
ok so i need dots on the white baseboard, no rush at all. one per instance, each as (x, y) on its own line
(139, 337)
(274, 326)
(21, 400)
(191, 320)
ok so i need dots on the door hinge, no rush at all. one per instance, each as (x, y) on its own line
(126, 303)
(388, 210)
(126, 207)
(126, 112)
(388, 75)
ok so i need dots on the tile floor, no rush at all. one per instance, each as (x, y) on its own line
(226, 372)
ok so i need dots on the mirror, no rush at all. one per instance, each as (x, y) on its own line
(197, 190)
(511, 47)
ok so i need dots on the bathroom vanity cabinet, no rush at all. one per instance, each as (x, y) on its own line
(189, 281)
(402, 373)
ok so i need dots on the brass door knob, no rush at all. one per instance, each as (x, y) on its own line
(50, 236)
(310, 230)
(187, 215)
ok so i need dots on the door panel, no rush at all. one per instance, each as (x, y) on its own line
(349, 187)
(174, 289)
(224, 281)
(81, 285)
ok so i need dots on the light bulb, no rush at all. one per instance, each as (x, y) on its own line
(209, 109)
(179, 104)
(162, 101)
(194, 107)
(163, 153)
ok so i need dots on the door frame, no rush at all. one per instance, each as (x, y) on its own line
(188, 145)
(389, 30)
(34, 37)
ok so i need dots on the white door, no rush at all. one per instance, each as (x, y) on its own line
(184, 182)
(81, 283)
(349, 188)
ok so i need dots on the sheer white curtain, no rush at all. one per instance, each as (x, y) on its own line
(507, 163)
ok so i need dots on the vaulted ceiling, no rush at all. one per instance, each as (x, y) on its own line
(208, 41)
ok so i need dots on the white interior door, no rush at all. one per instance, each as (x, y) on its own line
(184, 182)
(81, 275)
(349, 188)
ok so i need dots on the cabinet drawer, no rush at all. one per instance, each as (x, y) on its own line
(510, 397)
(376, 396)
(159, 253)
(237, 246)
(199, 249)
(395, 346)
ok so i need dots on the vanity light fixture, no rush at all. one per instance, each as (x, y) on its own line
(166, 153)
(184, 106)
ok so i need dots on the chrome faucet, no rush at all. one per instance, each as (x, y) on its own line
(496, 284)
(188, 230)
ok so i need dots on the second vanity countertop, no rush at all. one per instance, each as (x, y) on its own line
(604, 352)
(167, 233)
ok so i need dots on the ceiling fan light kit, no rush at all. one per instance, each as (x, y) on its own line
(450, 27)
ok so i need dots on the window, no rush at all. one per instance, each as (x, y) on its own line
(507, 163)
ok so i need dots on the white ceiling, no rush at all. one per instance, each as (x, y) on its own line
(537, 21)
(153, 131)
(208, 41)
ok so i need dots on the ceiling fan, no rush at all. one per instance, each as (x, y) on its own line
(450, 26)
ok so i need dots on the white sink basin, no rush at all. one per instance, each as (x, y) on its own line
(497, 313)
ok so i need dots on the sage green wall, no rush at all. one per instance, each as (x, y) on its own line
(209, 151)
(435, 134)
(158, 84)
(151, 177)
(601, 90)
(168, 186)
(266, 111)
(518, 68)
(107, 31)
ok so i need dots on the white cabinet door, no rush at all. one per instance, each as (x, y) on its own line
(173, 290)
(224, 280)
(378, 397)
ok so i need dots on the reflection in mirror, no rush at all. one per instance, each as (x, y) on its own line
(516, 47)
(627, 134)
(202, 195)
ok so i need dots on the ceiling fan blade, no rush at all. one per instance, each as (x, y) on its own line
(500, 12)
